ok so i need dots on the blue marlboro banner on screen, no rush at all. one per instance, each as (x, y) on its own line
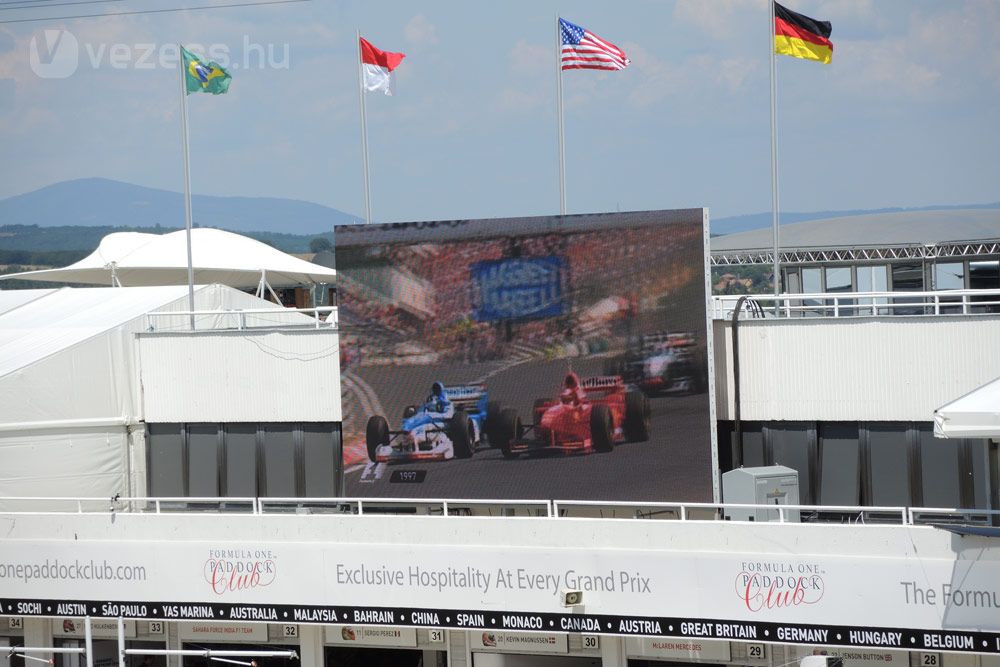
(518, 288)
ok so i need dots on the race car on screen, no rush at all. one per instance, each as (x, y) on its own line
(451, 423)
(590, 414)
(664, 363)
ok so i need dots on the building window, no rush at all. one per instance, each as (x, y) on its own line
(950, 275)
(888, 465)
(907, 278)
(838, 279)
(812, 283)
(244, 460)
(279, 461)
(320, 462)
(166, 460)
(203, 460)
(753, 444)
(241, 460)
(985, 275)
(939, 470)
(791, 445)
(872, 279)
(839, 464)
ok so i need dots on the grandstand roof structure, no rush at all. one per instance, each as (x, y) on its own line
(137, 259)
(877, 236)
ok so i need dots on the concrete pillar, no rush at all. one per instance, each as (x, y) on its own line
(174, 643)
(311, 646)
(613, 652)
(38, 634)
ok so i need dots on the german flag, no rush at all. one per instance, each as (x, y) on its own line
(799, 36)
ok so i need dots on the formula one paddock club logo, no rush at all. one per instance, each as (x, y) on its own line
(764, 585)
(234, 569)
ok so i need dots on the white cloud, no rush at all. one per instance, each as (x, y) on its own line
(716, 17)
(420, 31)
(529, 66)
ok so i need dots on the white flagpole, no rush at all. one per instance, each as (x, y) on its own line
(187, 184)
(364, 135)
(774, 157)
(562, 129)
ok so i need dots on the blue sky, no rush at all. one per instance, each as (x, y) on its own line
(907, 114)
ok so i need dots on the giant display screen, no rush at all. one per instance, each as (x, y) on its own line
(553, 357)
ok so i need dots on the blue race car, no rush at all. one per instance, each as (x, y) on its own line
(452, 423)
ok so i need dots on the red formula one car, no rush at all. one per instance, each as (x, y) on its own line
(590, 414)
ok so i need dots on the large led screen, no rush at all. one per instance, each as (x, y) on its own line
(527, 358)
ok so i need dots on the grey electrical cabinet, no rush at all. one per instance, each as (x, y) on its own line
(769, 485)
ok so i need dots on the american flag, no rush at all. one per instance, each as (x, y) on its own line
(582, 49)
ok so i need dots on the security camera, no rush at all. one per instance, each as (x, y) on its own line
(572, 598)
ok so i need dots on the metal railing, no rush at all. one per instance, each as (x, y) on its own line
(323, 317)
(506, 509)
(861, 304)
(827, 255)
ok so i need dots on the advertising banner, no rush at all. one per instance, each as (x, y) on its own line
(369, 636)
(826, 601)
(229, 632)
(520, 642)
(553, 357)
(679, 649)
(74, 627)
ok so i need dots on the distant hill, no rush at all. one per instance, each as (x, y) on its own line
(744, 223)
(76, 215)
(27, 239)
(99, 202)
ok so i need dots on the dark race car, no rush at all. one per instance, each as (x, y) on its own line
(664, 363)
(451, 423)
(590, 414)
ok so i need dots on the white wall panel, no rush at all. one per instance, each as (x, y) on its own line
(850, 574)
(852, 369)
(240, 376)
(85, 462)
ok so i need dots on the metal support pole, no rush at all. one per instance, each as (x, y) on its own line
(561, 124)
(187, 183)
(88, 641)
(121, 642)
(774, 153)
(364, 135)
(738, 424)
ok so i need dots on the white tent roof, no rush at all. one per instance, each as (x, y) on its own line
(57, 319)
(975, 415)
(135, 259)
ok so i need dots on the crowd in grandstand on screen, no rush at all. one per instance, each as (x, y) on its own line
(611, 267)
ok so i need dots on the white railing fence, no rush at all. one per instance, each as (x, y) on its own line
(507, 509)
(860, 304)
(323, 317)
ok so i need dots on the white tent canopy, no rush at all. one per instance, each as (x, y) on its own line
(975, 415)
(135, 259)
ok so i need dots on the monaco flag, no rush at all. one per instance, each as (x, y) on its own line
(377, 66)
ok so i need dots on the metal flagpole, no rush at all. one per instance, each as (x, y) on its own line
(774, 159)
(562, 128)
(187, 183)
(364, 135)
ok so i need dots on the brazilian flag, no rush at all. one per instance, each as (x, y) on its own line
(204, 77)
